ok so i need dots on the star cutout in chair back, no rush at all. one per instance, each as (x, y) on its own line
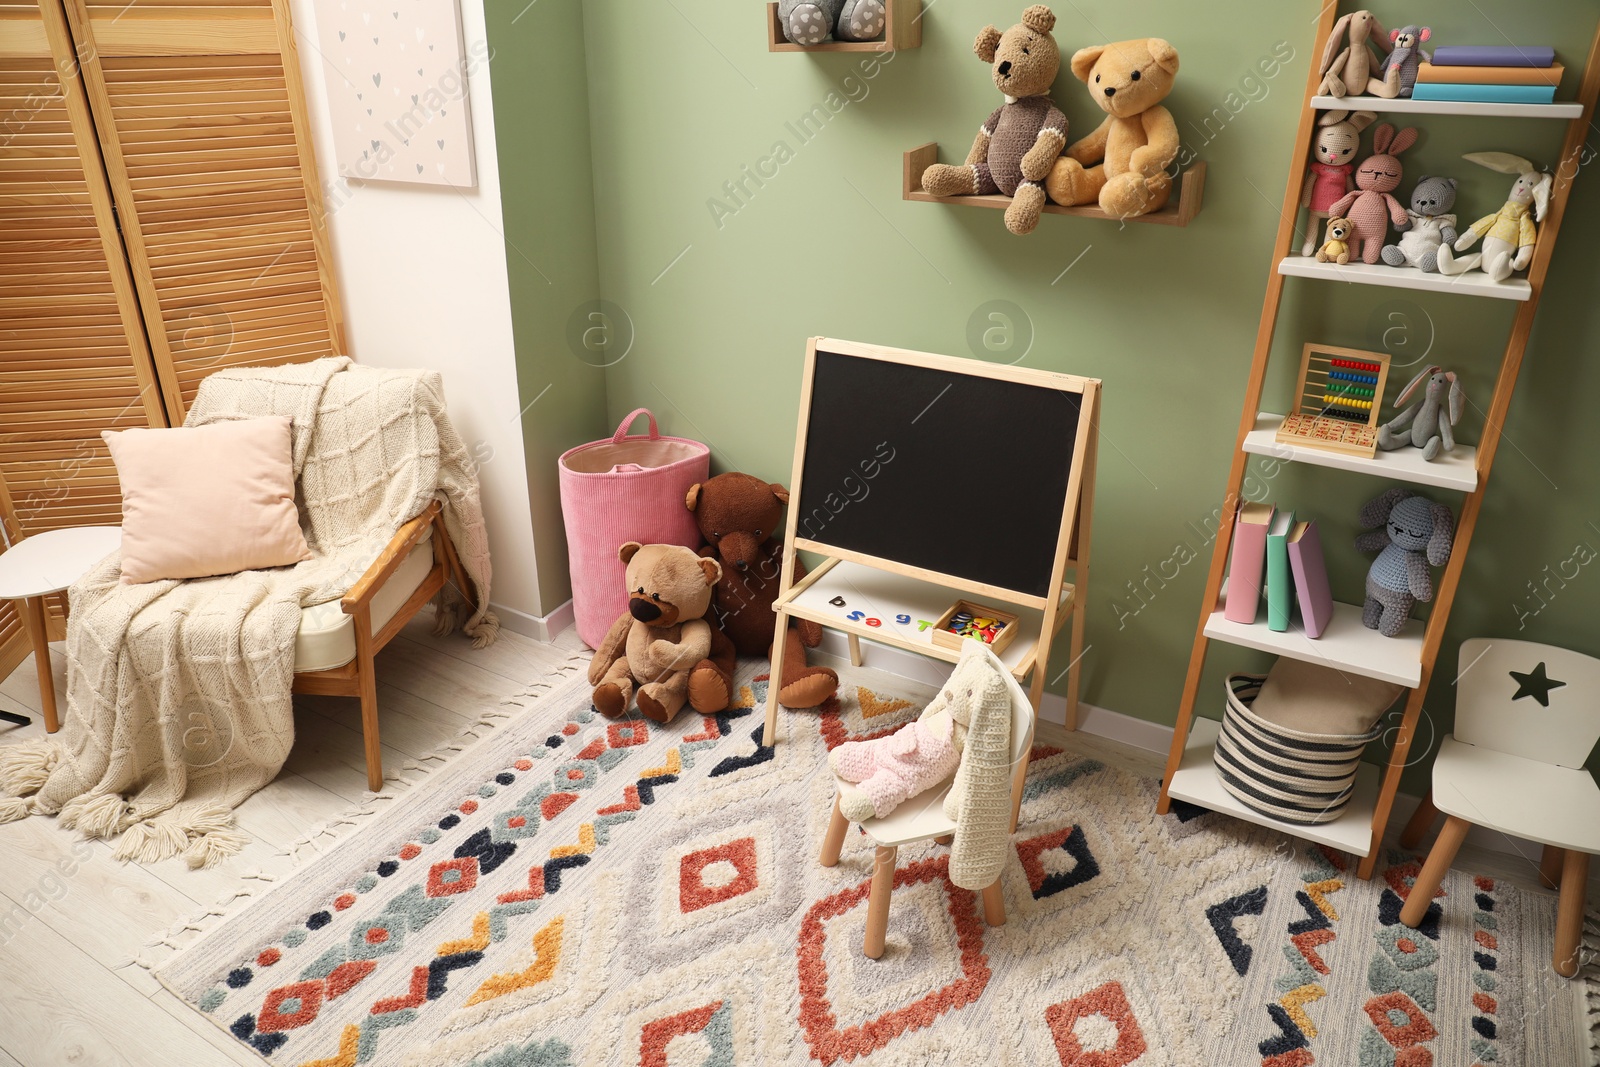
(1535, 684)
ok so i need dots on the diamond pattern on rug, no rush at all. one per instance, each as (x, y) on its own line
(581, 892)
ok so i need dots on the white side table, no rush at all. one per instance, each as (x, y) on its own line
(43, 564)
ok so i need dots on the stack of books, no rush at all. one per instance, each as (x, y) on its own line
(1277, 553)
(1490, 74)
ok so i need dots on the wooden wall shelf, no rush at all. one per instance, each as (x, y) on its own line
(903, 30)
(1180, 210)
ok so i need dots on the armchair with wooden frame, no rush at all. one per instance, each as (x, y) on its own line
(410, 572)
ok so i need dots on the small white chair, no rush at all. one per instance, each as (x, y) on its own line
(1527, 716)
(921, 818)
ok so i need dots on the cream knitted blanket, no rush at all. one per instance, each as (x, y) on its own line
(178, 693)
(979, 694)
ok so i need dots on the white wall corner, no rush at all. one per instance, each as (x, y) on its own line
(422, 279)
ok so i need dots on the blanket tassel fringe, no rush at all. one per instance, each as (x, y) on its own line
(24, 767)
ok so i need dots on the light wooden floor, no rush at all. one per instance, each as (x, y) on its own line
(72, 918)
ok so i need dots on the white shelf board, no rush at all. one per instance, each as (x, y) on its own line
(1346, 644)
(1407, 105)
(1197, 782)
(885, 596)
(1455, 470)
(1472, 283)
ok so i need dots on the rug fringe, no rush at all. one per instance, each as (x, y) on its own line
(322, 837)
(1589, 975)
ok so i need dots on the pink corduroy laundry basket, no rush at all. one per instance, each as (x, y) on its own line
(624, 488)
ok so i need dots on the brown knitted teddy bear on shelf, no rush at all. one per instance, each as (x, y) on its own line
(1018, 143)
(739, 514)
(1123, 163)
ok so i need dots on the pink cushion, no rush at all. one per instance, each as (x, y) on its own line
(205, 500)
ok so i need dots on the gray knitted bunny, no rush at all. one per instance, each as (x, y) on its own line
(809, 22)
(1408, 532)
(1430, 419)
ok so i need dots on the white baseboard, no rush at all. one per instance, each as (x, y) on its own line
(1141, 734)
(540, 628)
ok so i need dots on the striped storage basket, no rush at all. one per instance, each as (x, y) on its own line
(1290, 775)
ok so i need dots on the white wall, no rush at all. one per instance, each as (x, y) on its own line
(422, 279)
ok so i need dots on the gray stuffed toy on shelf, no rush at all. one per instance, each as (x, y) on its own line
(1430, 418)
(811, 22)
(1409, 533)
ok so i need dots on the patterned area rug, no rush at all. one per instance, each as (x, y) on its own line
(574, 891)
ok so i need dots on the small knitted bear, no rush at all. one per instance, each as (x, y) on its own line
(1337, 248)
(1016, 145)
(1408, 532)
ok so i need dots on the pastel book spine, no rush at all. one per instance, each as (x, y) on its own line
(1502, 55)
(1485, 94)
(1248, 561)
(1280, 588)
(1432, 72)
(1310, 577)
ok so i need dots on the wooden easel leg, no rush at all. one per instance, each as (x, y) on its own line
(838, 826)
(878, 901)
(1550, 866)
(1420, 823)
(1569, 912)
(1076, 648)
(769, 736)
(1433, 870)
(38, 624)
(855, 651)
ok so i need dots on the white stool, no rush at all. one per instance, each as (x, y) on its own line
(40, 565)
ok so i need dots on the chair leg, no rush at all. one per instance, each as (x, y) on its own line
(1550, 867)
(367, 685)
(1019, 779)
(994, 904)
(1434, 870)
(944, 839)
(838, 826)
(1420, 823)
(38, 624)
(1569, 912)
(878, 901)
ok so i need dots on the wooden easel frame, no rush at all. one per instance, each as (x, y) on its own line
(1072, 535)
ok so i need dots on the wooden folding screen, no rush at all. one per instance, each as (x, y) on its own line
(160, 218)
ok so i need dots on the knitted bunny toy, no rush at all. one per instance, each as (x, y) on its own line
(1408, 532)
(811, 22)
(1346, 66)
(1377, 177)
(1016, 146)
(1429, 418)
(1432, 225)
(888, 770)
(1333, 154)
(1508, 234)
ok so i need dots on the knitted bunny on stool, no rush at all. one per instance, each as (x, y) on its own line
(1408, 532)
(1372, 206)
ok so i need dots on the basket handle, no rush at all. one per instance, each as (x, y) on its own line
(622, 431)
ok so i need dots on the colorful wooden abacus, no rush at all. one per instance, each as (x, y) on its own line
(1337, 401)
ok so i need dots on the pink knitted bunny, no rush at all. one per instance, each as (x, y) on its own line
(1378, 174)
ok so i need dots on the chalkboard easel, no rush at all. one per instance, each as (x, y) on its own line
(922, 479)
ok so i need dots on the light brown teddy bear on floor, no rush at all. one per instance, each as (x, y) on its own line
(1123, 163)
(1017, 144)
(663, 637)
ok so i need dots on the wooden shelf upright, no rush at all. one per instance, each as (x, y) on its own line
(1190, 775)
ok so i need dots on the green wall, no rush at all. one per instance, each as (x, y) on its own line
(730, 231)
(542, 126)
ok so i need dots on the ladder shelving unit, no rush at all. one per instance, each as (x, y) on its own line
(1408, 659)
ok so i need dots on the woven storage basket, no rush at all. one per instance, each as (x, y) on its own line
(1291, 775)
(620, 489)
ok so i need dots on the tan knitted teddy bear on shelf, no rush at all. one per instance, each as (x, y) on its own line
(1016, 145)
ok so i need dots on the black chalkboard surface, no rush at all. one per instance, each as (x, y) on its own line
(957, 473)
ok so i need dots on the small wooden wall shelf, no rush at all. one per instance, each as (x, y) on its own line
(902, 30)
(1180, 209)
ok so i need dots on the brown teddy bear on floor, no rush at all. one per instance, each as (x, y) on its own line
(739, 516)
(664, 638)
(1019, 142)
(1123, 163)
